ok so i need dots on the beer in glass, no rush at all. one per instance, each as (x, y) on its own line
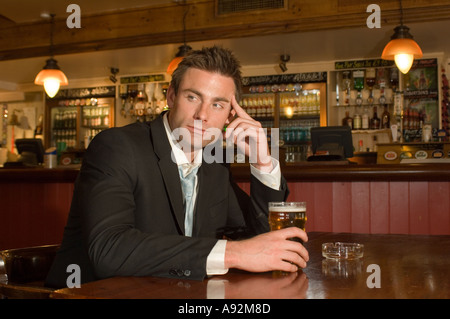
(287, 214)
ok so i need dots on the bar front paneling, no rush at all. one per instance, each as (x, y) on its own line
(384, 199)
(34, 206)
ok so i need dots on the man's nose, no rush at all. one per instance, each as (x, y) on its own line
(202, 112)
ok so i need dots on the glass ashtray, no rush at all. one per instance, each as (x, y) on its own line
(340, 250)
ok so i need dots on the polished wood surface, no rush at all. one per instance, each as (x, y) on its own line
(38, 174)
(322, 172)
(410, 267)
(292, 172)
(151, 25)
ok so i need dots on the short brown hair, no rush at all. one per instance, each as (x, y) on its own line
(212, 59)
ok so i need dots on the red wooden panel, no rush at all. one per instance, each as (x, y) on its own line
(360, 207)
(342, 207)
(439, 211)
(379, 207)
(323, 206)
(304, 192)
(419, 208)
(33, 214)
(399, 208)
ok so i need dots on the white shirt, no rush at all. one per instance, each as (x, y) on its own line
(215, 263)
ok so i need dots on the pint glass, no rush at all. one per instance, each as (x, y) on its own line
(287, 214)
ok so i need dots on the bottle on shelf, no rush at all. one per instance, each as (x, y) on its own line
(394, 79)
(365, 119)
(375, 120)
(406, 119)
(346, 83)
(357, 121)
(347, 120)
(386, 118)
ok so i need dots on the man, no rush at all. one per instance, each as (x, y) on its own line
(129, 216)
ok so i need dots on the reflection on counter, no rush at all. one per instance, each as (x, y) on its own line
(338, 268)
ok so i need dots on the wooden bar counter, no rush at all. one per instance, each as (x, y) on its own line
(34, 205)
(388, 199)
(392, 267)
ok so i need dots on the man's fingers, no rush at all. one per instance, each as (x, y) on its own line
(239, 110)
(292, 232)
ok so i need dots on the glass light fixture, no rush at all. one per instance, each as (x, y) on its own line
(51, 77)
(402, 48)
(182, 52)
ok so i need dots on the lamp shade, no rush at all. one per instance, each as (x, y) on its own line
(174, 64)
(402, 49)
(51, 77)
(182, 52)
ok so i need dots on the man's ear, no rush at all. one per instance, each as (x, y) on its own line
(170, 96)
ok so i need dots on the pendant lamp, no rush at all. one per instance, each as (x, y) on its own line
(51, 77)
(182, 50)
(402, 48)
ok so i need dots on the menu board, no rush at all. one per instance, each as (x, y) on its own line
(421, 89)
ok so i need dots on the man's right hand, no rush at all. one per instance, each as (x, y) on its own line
(269, 251)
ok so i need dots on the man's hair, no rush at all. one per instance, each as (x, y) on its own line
(212, 59)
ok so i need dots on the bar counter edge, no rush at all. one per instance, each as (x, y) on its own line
(292, 173)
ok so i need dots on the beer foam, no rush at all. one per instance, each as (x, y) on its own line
(288, 209)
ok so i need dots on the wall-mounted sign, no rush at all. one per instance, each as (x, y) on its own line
(309, 77)
(101, 91)
(360, 64)
(143, 79)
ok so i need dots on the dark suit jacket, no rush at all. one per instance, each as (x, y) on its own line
(127, 218)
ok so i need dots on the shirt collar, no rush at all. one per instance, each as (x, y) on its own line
(177, 153)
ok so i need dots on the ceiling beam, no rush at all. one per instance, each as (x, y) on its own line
(163, 24)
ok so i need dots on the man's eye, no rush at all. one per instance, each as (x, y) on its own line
(191, 97)
(218, 106)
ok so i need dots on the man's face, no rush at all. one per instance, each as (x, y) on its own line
(202, 96)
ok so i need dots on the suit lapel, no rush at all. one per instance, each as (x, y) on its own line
(169, 170)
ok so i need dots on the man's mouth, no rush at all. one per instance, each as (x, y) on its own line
(196, 130)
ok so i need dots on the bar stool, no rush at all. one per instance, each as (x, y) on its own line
(23, 271)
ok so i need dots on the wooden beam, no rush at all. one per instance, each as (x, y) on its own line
(162, 24)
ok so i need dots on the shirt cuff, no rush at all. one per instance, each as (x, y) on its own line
(215, 263)
(272, 179)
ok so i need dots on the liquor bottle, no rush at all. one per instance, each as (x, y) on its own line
(375, 121)
(346, 83)
(370, 81)
(386, 118)
(358, 78)
(357, 121)
(347, 120)
(406, 119)
(394, 79)
(365, 120)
